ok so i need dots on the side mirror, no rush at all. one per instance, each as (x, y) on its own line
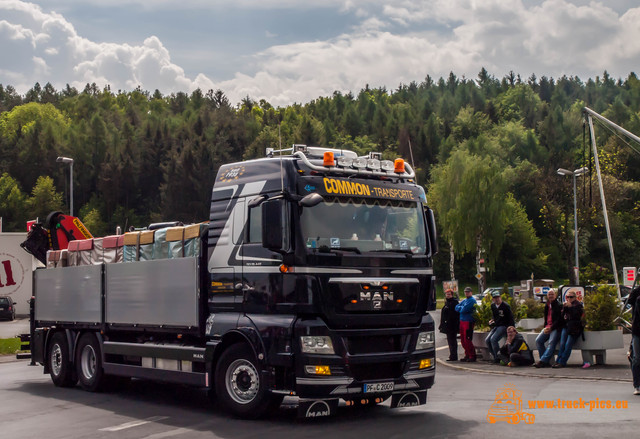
(431, 230)
(311, 200)
(272, 225)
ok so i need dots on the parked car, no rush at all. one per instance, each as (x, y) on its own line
(7, 308)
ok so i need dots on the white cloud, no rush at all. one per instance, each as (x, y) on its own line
(391, 42)
(45, 47)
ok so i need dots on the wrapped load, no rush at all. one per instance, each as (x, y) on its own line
(145, 252)
(131, 244)
(97, 252)
(192, 242)
(85, 250)
(63, 258)
(175, 241)
(72, 254)
(113, 249)
(53, 256)
(80, 252)
(160, 244)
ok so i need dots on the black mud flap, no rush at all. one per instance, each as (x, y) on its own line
(317, 408)
(408, 399)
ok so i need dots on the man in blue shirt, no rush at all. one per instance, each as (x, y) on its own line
(466, 308)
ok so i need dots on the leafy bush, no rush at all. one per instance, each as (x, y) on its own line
(533, 309)
(483, 313)
(594, 274)
(601, 308)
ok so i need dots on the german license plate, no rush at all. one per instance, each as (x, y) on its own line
(378, 387)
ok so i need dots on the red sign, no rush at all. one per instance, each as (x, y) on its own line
(30, 224)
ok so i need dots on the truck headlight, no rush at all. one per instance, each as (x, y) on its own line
(426, 340)
(317, 344)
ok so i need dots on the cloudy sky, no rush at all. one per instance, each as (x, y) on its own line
(289, 51)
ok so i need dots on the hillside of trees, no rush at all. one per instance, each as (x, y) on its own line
(486, 149)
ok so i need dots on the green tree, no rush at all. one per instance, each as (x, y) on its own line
(12, 204)
(469, 194)
(44, 199)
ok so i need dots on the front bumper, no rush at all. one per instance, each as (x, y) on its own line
(365, 357)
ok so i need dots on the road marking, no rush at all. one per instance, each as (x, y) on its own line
(442, 347)
(181, 430)
(134, 423)
(169, 433)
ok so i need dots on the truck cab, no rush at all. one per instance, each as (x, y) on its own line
(327, 258)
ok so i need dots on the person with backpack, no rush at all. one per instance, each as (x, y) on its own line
(450, 323)
(573, 316)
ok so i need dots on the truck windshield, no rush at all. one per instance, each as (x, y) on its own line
(364, 225)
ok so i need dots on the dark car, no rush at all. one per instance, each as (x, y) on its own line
(7, 308)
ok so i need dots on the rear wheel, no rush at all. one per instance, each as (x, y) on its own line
(89, 363)
(60, 368)
(240, 388)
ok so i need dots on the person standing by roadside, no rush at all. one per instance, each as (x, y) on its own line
(450, 323)
(634, 301)
(466, 308)
(502, 319)
(553, 323)
(573, 316)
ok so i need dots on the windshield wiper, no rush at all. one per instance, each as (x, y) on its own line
(325, 249)
(394, 250)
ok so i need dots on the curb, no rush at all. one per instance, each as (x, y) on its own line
(559, 377)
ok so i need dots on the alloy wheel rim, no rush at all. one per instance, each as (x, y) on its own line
(242, 381)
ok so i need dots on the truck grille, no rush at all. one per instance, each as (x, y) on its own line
(375, 344)
(377, 371)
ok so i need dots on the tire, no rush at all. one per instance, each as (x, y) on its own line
(89, 363)
(60, 368)
(239, 386)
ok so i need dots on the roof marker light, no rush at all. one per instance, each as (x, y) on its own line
(398, 166)
(328, 159)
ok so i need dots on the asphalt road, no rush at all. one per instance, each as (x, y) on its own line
(10, 329)
(457, 407)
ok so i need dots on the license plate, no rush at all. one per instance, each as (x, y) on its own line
(378, 387)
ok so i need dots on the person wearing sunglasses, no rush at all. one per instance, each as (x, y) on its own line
(573, 315)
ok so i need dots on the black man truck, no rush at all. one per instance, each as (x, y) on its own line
(312, 278)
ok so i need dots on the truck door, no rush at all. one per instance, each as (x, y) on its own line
(260, 266)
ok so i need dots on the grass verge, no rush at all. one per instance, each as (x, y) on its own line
(9, 346)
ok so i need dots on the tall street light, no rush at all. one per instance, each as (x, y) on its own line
(70, 161)
(575, 174)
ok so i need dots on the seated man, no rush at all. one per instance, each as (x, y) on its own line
(553, 323)
(502, 318)
(515, 351)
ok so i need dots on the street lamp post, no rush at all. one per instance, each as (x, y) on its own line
(574, 174)
(70, 161)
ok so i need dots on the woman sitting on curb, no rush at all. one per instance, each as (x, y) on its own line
(515, 351)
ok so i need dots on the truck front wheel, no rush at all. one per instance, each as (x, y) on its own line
(60, 368)
(239, 385)
(89, 363)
